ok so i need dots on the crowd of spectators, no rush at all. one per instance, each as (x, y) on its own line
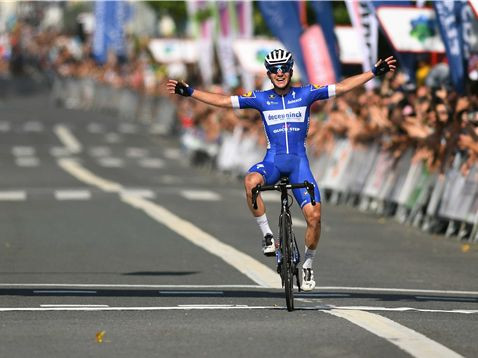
(429, 117)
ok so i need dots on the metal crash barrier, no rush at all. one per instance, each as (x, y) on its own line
(366, 176)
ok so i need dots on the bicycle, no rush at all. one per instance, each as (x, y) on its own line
(287, 253)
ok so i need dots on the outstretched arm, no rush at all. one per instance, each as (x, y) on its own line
(380, 68)
(214, 99)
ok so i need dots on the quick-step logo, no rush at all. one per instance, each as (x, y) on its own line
(285, 115)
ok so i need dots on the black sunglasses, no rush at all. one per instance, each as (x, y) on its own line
(284, 68)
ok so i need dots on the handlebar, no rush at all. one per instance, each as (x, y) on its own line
(283, 186)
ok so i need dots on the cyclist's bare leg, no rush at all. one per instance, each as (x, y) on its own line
(312, 215)
(250, 181)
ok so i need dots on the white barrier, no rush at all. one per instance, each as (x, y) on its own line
(381, 182)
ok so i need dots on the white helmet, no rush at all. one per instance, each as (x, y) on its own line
(278, 57)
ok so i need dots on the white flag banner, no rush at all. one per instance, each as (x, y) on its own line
(366, 25)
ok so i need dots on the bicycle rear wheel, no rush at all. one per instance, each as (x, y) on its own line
(287, 262)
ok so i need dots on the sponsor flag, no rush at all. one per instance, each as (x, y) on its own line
(224, 45)
(365, 23)
(282, 18)
(325, 18)
(110, 18)
(448, 24)
(407, 61)
(319, 65)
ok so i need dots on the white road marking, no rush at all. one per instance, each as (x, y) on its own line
(192, 293)
(407, 290)
(100, 151)
(74, 306)
(92, 285)
(27, 161)
(4, 126)
(412, 342)
(173, 154)
(204, 195)
(13, 195)
(64, 291)
(112, 138)
(133, 152)
(127, 128)
(245, 264)
(154, 163)
(68, 139)
(143, 193)
(59, 151)
(33, 126)
(403, 309)
(170, 179)
(72, 194)
(95, 128)
(126, 308)
(109, 162)
(23, 151)
(321, 308)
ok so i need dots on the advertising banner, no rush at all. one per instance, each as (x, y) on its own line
(349, 45)
(251, 53)
(225, 53)
(318, 63)
(174, 50)
(410, 29)
(448, 24)
(110, 18)
(325, 18)
(282, 18)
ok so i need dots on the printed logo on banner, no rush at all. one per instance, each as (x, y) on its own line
(285, 115)
(423, 28)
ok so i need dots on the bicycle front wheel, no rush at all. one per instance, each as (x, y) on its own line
(287, 261)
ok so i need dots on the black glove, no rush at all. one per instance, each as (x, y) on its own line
(380, 68)
(183, 89)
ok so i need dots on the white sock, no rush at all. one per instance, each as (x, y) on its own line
(263, 224)
(308, 257)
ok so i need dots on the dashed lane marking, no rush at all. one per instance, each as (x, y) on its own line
(112, 138)
(13, 195)
(72, 194)
(204, 195)
(134, 152)
(109, 162)
(23, 151)
(192, 293)
(33, 126)
(153, 163)
(27, 161)
(100, 151)
(173, 154)
(59, 152)
(73, 305)
(95, 128)
(143, 193)
(127, 128)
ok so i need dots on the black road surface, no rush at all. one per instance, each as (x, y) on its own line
(83, 272)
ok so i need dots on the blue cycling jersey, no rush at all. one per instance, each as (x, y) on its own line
(286, 122)
(285, 118)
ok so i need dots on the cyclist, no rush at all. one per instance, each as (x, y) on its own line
(285, 115)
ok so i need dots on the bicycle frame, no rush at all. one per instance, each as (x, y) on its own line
(287, 256)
